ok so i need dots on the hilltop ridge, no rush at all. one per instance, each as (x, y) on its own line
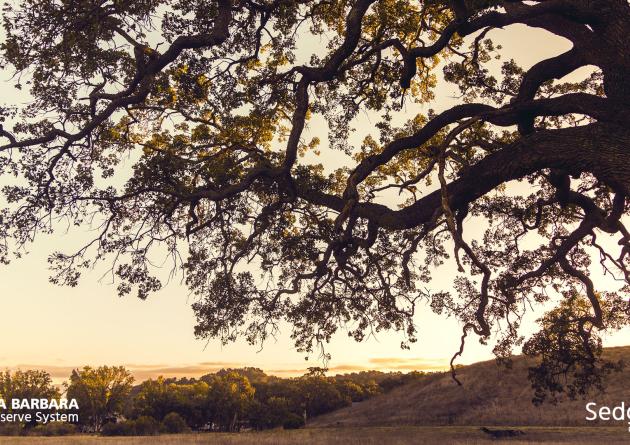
(489, 395)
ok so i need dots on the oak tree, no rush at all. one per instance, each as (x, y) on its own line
(185, 128)
(101, 394)
(26, 386)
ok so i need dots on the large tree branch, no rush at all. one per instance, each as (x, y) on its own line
(601, 149)
(139, 87)
(507, 116)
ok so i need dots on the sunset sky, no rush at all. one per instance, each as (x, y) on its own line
(54, 328)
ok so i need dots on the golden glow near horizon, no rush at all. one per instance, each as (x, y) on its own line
(54, 328)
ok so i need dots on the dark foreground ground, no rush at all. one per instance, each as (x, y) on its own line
(355, 436)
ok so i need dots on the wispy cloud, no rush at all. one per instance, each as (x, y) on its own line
(348, 368)
(55, 371)
(409, 364)
(388, 360)
(222, 364)
(286, 372)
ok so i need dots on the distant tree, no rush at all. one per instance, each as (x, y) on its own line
(293, 421)
(271, 413)
(30, 384)
(316, 371)
(254, 375)
(147, 426)
(569, 352)
(157, 398)
(229, 399)
(351, 391)
(395, 379)
(193, 399)
(174, 423)
(100, 392)
(124, 428)
(277, 387)
(258, 415)
(372, 388)
(320, 395)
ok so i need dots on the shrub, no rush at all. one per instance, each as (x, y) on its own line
(11, 429)
(147, 426)
(293, 422)
(125, 428)
(54, 429)
(174, 423)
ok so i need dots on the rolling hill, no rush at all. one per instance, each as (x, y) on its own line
(490, 395)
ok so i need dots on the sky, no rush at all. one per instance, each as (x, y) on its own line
(58, 328)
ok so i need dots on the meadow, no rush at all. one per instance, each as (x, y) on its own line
(352, 436)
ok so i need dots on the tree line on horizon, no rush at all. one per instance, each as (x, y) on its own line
(229, 400)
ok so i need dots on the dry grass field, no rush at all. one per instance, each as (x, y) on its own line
(490, 395)
(352, 436)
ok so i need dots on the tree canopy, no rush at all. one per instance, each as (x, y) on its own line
(183, 128)
(29, 385)
(100, 393)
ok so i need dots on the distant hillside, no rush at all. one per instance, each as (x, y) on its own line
(490, 395)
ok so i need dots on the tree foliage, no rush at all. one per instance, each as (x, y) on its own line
(569, 350)
(230, 398)
(157, 398)
(227, 400)
(233, 398)
(175, 423)
(26, 385)
(183, 127)
(100, 393)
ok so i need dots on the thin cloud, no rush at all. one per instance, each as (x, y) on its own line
(55, 371)
(286, 372)
(399, 363)
(222, 364)
(419, 368)
(146, 366)
(348, 368)
(388, 360)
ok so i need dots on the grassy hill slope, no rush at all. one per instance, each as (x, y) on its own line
(490, 395)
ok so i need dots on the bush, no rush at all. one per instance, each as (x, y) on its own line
(174, 423)
(293, 422)
(54, 429)
(11, 429)
(142, 426)
(125, 428)
(147, 426)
